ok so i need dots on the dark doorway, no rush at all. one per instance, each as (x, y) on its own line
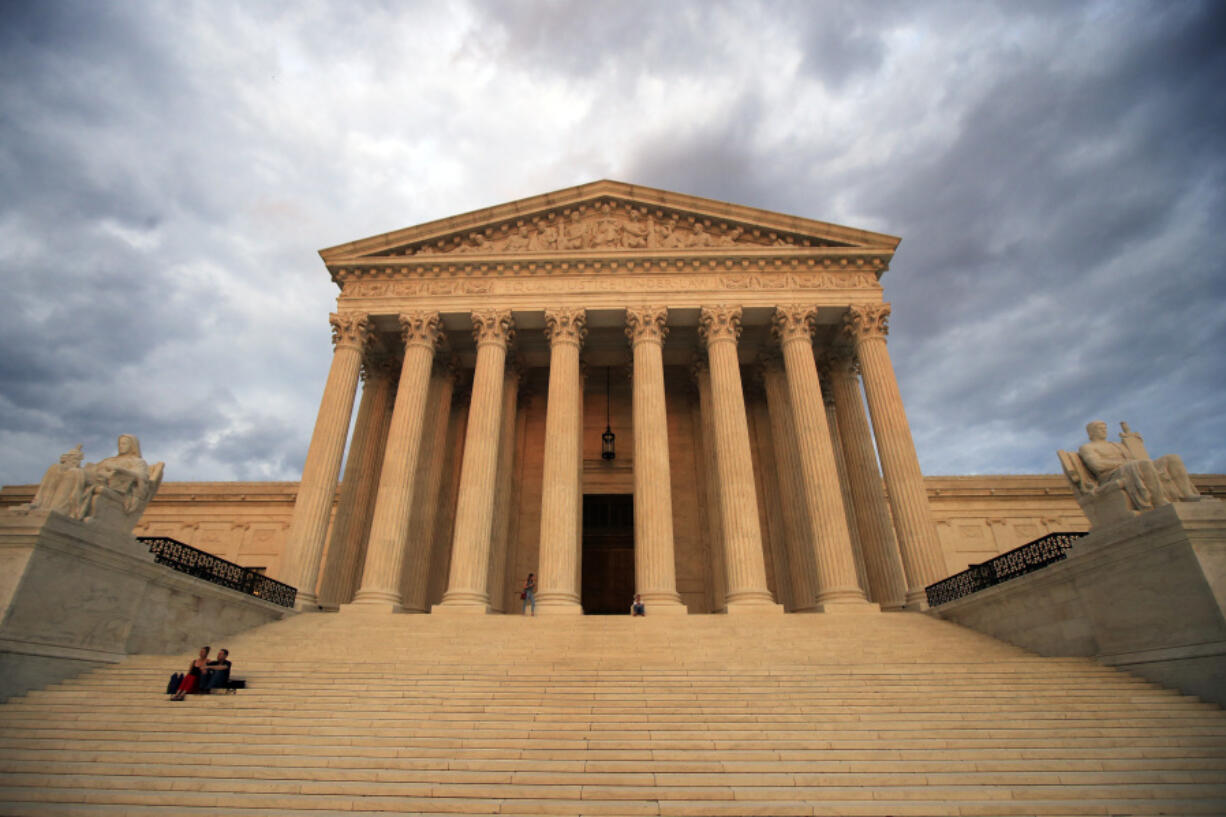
(608, 553)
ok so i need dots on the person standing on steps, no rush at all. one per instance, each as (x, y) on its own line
(529, 593)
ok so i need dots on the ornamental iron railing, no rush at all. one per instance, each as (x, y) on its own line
(1018, 562)
(187, 559)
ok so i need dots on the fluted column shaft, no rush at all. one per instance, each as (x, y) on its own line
(710, 483)
(655, 569)
(500, 540)
(840, 462)
(561, 520)
(317, 490)
(836, 569)
(415, 575)
(872, 515)
(421, 333)
(923, 561)
(357, 487)
(801, 556)
(470, 546)
(719, 327)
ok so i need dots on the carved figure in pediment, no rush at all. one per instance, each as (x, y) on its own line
(636, 232)
(519, 240)
(699, 237)
(575, 234)
(608, 232)
(545, 238)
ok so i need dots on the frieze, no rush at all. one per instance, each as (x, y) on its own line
(607, 224)
(648, 283)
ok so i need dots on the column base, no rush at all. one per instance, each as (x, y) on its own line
(462, 602)
(664, 603)
(307, 603)
(559, 605)
(916, 600)
(664, 608)
(856, 607)
(457, 608)
(736, 608)
(370, 606)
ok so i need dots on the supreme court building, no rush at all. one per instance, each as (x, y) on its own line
(622, 390)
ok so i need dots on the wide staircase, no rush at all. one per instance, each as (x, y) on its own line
(360, 714)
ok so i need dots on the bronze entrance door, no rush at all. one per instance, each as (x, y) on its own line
(608, 553)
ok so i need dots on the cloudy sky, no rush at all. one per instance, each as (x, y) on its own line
(168, 171)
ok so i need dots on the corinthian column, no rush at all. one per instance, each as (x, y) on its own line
(801, 556)
(922, 558)
(415, 574)
(421, 333)
(836, 567)
(500, 541)
(560, 488)
(720, 327)
(655, 569)
(345, 545)
(872, 515)
(470, 546)
(709, 482)
(309, 525)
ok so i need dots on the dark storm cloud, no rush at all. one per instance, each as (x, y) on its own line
(167, 171)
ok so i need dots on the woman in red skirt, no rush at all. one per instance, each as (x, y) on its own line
(194, 673)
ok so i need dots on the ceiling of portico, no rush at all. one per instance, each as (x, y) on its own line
(608, 217)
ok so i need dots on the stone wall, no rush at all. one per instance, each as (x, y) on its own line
(74, 596)
(1147, 594)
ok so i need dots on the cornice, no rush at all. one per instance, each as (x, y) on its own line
(668, 204)
(695, 261)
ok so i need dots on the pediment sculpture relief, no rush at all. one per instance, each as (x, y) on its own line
(607, 225)
(111, 493)
(1114, 481)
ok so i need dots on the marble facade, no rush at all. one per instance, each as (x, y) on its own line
(511, 308)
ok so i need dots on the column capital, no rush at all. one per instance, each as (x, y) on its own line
(421, 329)
(719, 323)
(793, 322)
(839, 360)
(493, 326)
(379, 367)
(646, 324)
(350, 329)
(864, 321)
(566, 326)
(698, 367)
(826, 384)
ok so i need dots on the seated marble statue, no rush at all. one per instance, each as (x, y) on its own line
(111, 493)
(1105, 470)
(62, 486)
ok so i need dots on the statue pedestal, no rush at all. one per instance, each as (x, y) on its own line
(76, 596)
(1147, 595)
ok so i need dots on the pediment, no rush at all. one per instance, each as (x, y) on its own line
(606, 217)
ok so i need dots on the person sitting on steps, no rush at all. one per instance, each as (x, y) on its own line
(637, 608)
(194, 674)
(217, 673)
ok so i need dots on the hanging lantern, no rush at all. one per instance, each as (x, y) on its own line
(606, 439)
